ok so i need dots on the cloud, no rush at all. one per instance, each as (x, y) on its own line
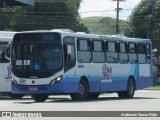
(106, 8)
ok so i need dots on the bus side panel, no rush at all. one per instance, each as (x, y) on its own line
(71, 83)
(94, 83)
(2, 77)
(8, 77)
(115, 85)
(144, 82)
(145, 78)
(120, 74)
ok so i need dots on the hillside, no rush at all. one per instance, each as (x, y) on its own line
(102, 25)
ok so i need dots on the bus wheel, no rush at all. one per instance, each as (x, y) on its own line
(15, 96)
(39, 97)
(93, 95)
(82, 91)
(129, 93)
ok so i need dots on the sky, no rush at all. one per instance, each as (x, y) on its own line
(106, 8)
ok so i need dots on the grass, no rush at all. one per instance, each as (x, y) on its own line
(156, 87)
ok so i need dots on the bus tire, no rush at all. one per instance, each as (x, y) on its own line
(83, 91)
(129, 93)
(93, 95)
(39, 97)
(15, 96)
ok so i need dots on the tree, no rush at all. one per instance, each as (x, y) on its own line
(102, 25)
(144, 21)
(109, 25)
(141, 18)
(45, 15)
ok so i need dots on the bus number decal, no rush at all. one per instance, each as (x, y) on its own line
(22, 81)
(106, 72)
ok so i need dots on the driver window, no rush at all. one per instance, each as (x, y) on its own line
(69, 53)
(3, 54)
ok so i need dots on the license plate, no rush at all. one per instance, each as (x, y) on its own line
(32, 89)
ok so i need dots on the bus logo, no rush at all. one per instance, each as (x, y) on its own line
(8, 76)
(106, 72)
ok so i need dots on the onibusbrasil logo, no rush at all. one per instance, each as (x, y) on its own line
(21, 114)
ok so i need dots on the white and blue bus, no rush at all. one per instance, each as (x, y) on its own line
(6, 38)
(82, 65)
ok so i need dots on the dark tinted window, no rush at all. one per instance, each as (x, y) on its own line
(69, 53)
(123, 55)
(34, 37)
(112, 52)
(98, 51)
(148, 53)
(84, 45)
(3, 52)
(141, 53)
(132, 53)
(132, 48)
(84, 51)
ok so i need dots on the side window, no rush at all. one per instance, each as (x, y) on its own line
(69, 53)
(84, 50)
(141, 53)
(148, 55)
(84, 45)
(132, 53)
(3, 50)
(0, 55)
(18, 54)
(98, 51)
(8, 51)
(112, 52)
(123, 56)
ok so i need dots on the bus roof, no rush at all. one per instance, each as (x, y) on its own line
(6, 39)
(7, 33)
(93, 36)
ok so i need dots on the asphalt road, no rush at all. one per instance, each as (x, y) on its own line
(144, 100)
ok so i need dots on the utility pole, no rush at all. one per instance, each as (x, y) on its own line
(151, 22)
(117, 18)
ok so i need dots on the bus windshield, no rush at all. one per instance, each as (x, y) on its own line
(37, 56)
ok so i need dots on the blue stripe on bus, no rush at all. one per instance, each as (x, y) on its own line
(70, 85)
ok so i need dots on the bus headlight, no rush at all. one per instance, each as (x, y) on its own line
(55, 80)
(14, 81)
(58, 79)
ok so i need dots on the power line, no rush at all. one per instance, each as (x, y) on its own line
(68, 12)
(57, 14)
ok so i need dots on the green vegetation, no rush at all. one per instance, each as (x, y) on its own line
(157, 87)
(93, 25)
(144, 21)
(102, 25)
(44, 15)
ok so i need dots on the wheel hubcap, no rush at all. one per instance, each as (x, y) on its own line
(81, 89)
